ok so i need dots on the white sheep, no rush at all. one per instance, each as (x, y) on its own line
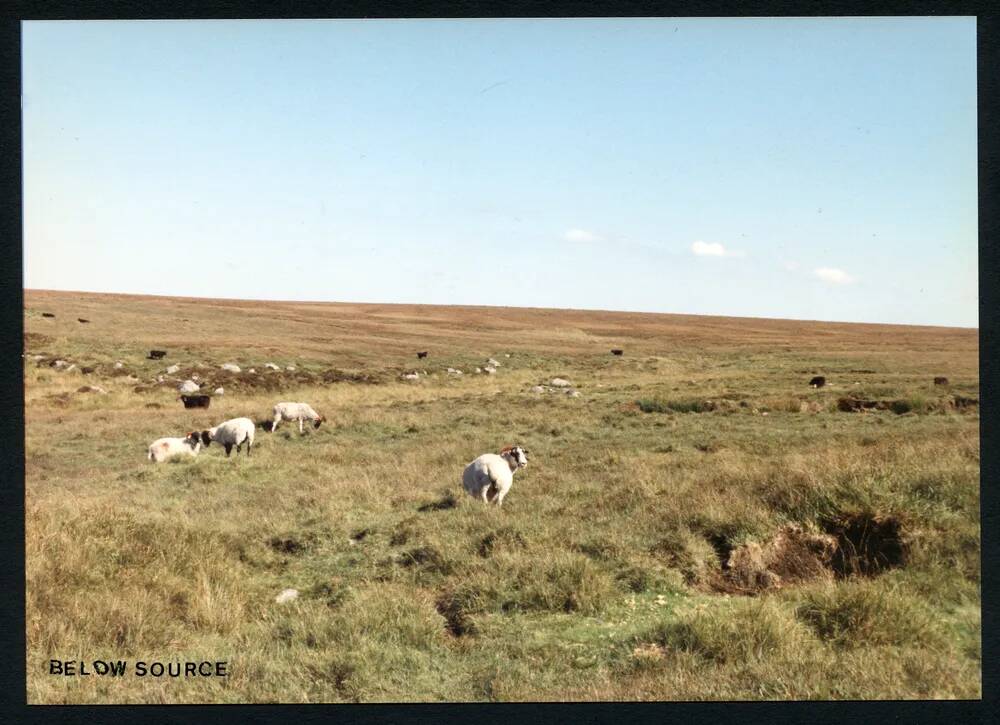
(293, 412)
(231, 433)
(490, 476)
(163, 449)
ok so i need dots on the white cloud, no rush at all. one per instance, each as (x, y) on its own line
(580, 235)
(833, 275)
(713, 249)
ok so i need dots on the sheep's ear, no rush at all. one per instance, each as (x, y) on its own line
(506, 449)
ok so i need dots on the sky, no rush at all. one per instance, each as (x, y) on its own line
(805, 168)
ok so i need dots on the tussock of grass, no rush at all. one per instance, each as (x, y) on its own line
(862, 613)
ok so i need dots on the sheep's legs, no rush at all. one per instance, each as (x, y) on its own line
(485, 491)
(300, 426)
(274, 425)
(229, 447)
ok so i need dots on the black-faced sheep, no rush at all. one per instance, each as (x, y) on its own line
(231, 433)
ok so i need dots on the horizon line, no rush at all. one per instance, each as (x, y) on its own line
(498, 307)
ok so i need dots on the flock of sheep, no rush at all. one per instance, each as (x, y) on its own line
(489, 477)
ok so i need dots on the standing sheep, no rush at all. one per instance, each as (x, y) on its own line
(163, 449)
(490, 476)
(231, 433)
(296, 411)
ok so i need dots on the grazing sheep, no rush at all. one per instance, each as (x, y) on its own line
(296, 411)
(164, 449)
(940, 381)
(617, 351)
(421, 355)
(156, 354)
(80, 319)
(196, 401)
(490, 476)
(231, 433)
(47, 314)
(817, 382)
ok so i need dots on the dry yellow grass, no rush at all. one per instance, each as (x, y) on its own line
(600, 577)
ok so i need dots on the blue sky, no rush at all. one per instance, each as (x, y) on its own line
(811, 168)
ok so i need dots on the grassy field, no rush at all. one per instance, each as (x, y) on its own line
(697, 524)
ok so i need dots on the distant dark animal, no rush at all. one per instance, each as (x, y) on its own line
(940, 381)
(422, 355)
(196, 401)
(156, 354)
(80, 319)
(617, 352)
(86, 370)
(47, 314)
(817, 382)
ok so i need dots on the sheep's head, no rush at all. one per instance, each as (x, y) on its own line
(206, 438)
(516, 455)
(319, 421)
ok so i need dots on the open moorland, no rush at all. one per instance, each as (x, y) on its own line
(698, 523)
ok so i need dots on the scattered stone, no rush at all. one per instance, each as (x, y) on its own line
(491, 371)
(189, 386)
(92, 389)
(219, 391)
(573, 393)
(287, 595)
(538, 389)
(411, 376)
(290, 368)
(560, 382)
(493, 363)
(252, 371)
(173, 369)
(453, 371)
(231, 367)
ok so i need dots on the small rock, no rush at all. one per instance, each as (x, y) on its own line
(219, 391)
(493, 363)
(573, 393)
(118, 366)
(92, 389)
(478, 370)
(287, 595)
(560, 383)
(189, 386)
(195, 377)
(173, 369)
(491, 370)
(506, 354)
(231, 367)
(453, 371)
(290, 368)
(252, 371)
(538, 389)
(272, 366)
(411, 376)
